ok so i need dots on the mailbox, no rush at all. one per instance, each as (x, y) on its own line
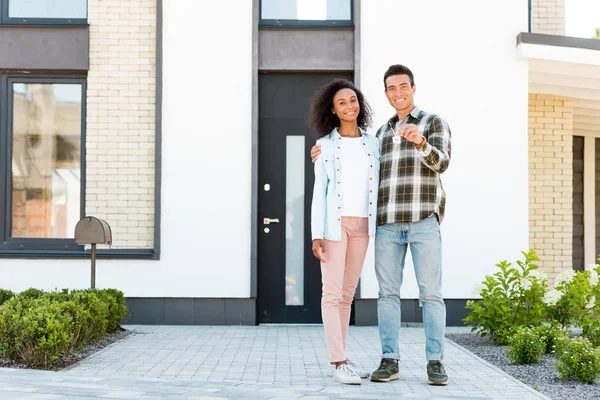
(92, 230)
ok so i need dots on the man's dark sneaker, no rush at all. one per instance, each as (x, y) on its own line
(387, 371)
(436, 374)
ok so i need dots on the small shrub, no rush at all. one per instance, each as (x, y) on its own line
(96, 318)
(510, 298)
(578, 360)
(567, 303)
(117, 309)
(550, 335)
(590, 322)
(526, 347)
(5, 295)
(31, 293)
(34, 331)
(36, 327)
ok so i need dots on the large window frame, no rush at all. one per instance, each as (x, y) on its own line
(6, 20)
(8, 243)
(304, 23)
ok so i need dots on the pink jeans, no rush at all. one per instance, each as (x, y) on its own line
(340, 276)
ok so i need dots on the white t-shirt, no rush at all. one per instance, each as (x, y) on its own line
(354, 165)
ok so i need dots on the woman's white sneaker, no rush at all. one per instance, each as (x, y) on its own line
(363, 373)
(346, 375)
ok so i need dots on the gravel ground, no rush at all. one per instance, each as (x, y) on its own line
(542, 377)
(68, 360)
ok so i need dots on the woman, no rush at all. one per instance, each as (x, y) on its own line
(344, 207)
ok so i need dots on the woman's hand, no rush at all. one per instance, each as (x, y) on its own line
(318, 248)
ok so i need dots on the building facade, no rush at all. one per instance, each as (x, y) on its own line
(185, 129)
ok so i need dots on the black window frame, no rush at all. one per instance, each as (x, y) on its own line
(8, 243)
(306, 23)
(6, 20)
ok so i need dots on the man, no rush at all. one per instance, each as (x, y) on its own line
(415, 150)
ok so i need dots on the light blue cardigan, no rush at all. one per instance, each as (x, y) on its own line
(326, 219)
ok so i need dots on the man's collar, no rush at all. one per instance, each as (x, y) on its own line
(413, 113)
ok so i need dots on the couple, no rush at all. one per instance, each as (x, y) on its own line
(388, 186)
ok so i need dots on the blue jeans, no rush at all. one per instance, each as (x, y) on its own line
(391, 244)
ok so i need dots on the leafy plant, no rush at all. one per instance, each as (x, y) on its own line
(550, 335)
(578, 360)
(5, 295)
(31, 293)
(526, 346)
(34, 331)
(590, 320)
(511, 298)
(567, 302)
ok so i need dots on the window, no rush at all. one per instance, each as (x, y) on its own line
(306, 13)
(42, 180)
(43, 11)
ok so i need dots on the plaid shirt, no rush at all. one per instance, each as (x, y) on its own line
(410, 188)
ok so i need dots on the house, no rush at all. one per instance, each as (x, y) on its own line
(183, 125)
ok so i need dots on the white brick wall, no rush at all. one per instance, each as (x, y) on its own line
(120, 118)
(551, 181)
(548, 16)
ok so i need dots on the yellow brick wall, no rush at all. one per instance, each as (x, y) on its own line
(551, 181)
(548, 16)
(120, 129)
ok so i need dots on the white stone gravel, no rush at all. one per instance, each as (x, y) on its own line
(542, 377)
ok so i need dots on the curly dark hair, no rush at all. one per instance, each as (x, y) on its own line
(322, 120)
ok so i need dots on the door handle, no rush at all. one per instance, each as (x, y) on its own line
(268, 221)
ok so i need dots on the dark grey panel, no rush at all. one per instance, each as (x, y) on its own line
(557, 40)
(179, 312)
(209, 311)
(578, 254)
(366, 312)
(145, 311)
(158, 130)
(240, 312)
(44, 48)
(306, 49)
(191, 311)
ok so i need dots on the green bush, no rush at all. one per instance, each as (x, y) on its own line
(96, 318)
(5, 295)
(31, 293)
(117, 310)
(590, 321)
(578, 360)
(510, 298)
(526, 347)
(36, 327)
(567, 303)
(550, 335)
(34, 331)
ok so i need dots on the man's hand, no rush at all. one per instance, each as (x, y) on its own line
(318, 248)
(411, 133)
(314, 154)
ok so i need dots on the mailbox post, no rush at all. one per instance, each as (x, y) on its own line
(93, 231)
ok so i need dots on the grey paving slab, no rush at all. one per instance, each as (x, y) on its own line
(264, 362)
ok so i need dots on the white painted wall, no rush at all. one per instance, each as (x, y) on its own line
(206, 181)
(464, 58)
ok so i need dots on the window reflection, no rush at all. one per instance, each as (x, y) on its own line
(294, 217)
(46, 159)
(76, 9)
(306, 9)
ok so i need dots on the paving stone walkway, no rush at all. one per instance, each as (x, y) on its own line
(277, 362)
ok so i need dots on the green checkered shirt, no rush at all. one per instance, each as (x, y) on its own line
(410, 188)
